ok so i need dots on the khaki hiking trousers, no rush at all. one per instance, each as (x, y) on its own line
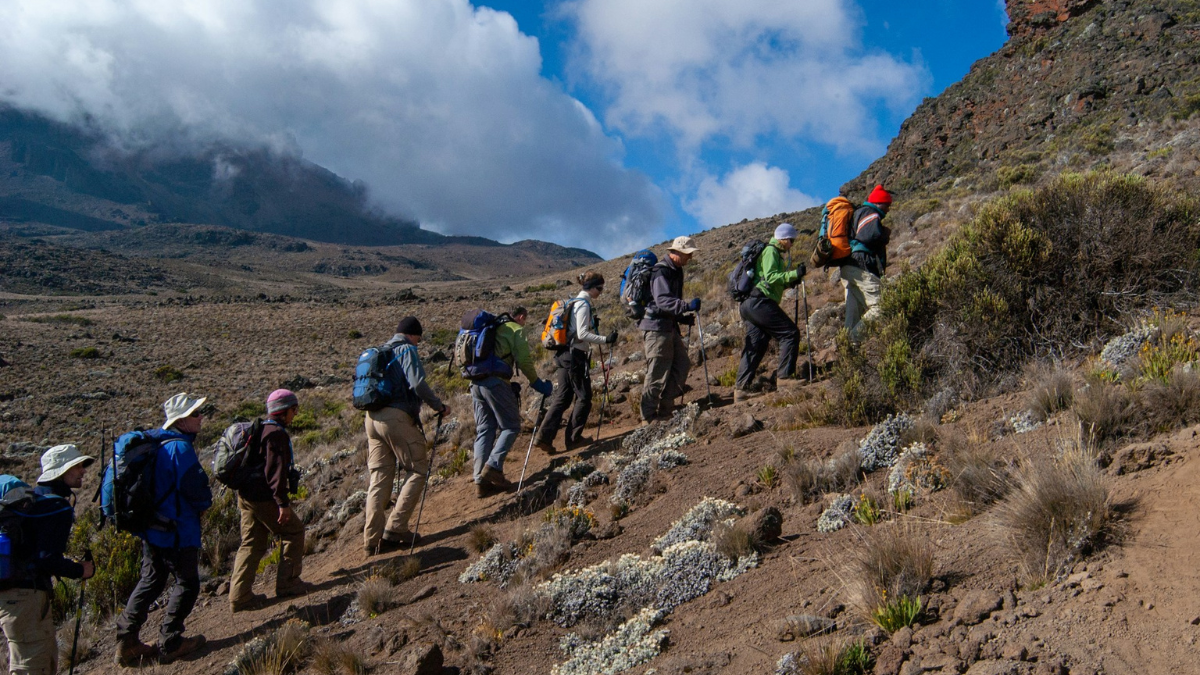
(28, 624)
(260, 524)
(667, 366)
(393, 438)
(862, 298)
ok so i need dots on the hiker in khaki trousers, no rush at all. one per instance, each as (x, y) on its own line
(395, 439)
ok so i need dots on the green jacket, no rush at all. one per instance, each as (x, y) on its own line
(773, 274)
(512, 346)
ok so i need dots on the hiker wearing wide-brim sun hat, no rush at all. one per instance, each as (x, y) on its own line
(59, 460)
(667, 362)
(26, 592)
(180, 406)
(181, 495)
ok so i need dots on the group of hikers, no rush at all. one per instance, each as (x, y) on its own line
(391, 387)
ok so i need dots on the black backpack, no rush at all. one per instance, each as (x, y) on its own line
(127, 490)
(744, 276)
(635, 284)
(20, 509)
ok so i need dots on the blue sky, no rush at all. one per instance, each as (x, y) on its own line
(606, 124)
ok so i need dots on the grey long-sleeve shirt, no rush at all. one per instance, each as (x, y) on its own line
(406, 363)
(583, 330)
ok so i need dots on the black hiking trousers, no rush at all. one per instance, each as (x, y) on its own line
(765, 319)
(572, 383)
(158, 564)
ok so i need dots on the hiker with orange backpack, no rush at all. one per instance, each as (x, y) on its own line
(570, 331)
(764, 318)
(855, 240)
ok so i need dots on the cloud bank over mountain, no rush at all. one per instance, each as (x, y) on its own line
(437, 106)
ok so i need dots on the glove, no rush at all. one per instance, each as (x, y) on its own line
(686, 320)
(694, 305)
(801, 270)
(612, 338)
(543, 387)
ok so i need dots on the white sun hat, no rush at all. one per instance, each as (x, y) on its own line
(685, 245)
(58, 460)
(180, 406)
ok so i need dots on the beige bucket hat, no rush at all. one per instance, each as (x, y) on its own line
(685, 245)
(180, 406)
(58, 460)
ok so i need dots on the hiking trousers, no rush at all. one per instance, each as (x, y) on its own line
(497, 422)
(764, 320)
(260, 525)
(393, 438)
(572, 382)
(157, 565)
(28, 625)
(667, 367)
(862, 298)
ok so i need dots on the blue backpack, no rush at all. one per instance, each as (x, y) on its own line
(475, 348)
(372, 386)
(635, 284)
(127, 489)
(20, 507)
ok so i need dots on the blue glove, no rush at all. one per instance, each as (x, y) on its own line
(694, 305)
(542, 387)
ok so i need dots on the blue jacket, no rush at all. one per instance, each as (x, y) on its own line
(181, 490)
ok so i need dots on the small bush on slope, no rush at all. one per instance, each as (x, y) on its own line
(1038, 272)
(893, 561)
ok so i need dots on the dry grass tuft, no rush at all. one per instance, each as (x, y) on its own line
(331, 657)
(735, 542)
(1060, 511)
(809, 479)
(1173, 403)
(376, 595)
(282, 654)
(481, 538)
(893, 560)
(1055, 391)
(979, 476)
(924, 430)
(1105, 412)
(520, 606)
(397, 570)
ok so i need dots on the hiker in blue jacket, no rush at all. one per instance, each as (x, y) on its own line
(181, 490)
(25, 614)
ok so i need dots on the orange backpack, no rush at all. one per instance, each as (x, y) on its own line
(833, 243)
(556, 335)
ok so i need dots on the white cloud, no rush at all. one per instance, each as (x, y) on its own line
(700, 70)
(437, 105)
(751, 191)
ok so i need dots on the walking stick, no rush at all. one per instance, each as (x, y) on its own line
(807, 338)
(703, 356)
(536, 425)
(87, 556)
(604, 403)
(417, 529)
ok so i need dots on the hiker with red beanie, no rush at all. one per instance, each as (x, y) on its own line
(266, 511)
(867, 262)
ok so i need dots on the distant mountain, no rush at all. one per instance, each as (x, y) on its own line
(67, 176)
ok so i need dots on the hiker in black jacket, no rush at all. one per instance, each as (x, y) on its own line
(667, 361)
(25, 614)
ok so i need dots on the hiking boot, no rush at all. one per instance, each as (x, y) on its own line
(495, 479)
(545, 447)
(132, 652)
(248, 603)
(740, 395)
(483, 490)
(397, 538)
(186, 646)
(294, 588)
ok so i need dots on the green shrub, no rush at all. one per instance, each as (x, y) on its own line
(117, 556)
(1038, 272)
(441, 337)
(541, 287)
(168, 374)
(728, 378)
(1014, 175)
(354, 334)
(896, 613)
(456, 464)
(220, 533)
(305, 420)
(62, 319)
(85, 353)
(248, 410)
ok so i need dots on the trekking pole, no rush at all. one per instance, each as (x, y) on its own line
(682, 393)
(603, 403)
(87, 557)
(703, 356)
(537, 424)
(428, 471)
(807, 337)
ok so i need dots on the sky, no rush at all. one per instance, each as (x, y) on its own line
(604, 124)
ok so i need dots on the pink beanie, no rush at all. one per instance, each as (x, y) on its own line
(280, 400)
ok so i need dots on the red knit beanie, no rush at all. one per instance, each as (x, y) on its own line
(880, 196)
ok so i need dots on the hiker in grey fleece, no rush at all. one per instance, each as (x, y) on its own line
(395, 437)
(667, 362)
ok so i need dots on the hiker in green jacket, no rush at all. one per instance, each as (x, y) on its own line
(763, 316)
(497, 405)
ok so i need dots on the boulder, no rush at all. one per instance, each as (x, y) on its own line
(743, 425)
(803, 625)
(765, 524)
(423, 658)
(998, 667)
(889, 659)
(977, 606)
